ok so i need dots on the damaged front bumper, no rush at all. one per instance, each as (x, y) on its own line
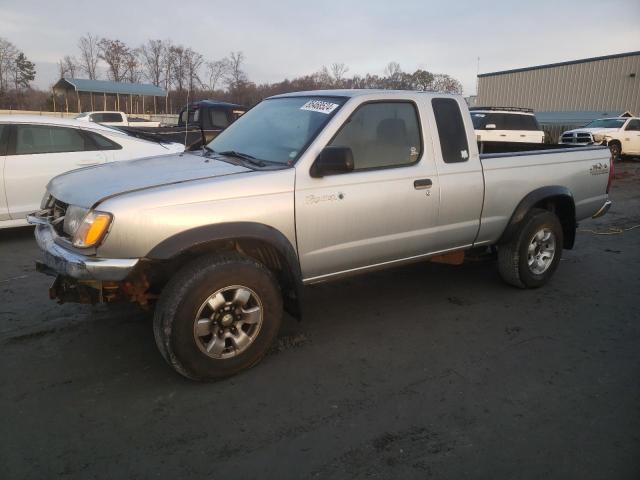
(62, 261)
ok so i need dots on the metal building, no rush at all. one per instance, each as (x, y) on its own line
(102, 88)
(606, 84)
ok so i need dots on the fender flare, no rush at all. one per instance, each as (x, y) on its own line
(533, 198)
(200, 236)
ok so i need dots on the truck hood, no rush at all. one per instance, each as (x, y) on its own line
(592, 130)
(87, 186)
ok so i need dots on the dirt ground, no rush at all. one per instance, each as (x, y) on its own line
(426, 371)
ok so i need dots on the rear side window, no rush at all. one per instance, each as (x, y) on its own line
(525, 122)
(103, 143)
(33, 139)
(451, 131)
(4, 139)
(106, 117)
(382, 134)
(218, 118)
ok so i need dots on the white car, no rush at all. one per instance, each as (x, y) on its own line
(115, 119)
(506, 124)
(621, 134)
(34, 149)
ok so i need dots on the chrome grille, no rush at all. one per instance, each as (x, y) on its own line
(577, 138)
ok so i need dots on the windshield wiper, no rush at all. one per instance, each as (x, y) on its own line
(245, 156)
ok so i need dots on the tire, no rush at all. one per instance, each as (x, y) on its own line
(514, 261)
(616, 151)
(190, 312)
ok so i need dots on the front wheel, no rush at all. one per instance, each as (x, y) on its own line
(616, 151)
(531, 257)
(218, 316)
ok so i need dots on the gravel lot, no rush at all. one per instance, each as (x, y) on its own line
(423, 371)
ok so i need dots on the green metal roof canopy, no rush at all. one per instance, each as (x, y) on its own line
(107, 86)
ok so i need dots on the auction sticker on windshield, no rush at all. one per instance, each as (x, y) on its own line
(319, 106)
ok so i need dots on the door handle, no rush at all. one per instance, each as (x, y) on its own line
(422, 183)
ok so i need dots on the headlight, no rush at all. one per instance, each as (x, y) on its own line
(598, 137)
(73, 218)
(92, 229)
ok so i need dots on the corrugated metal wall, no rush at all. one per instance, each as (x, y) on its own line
(592, 85)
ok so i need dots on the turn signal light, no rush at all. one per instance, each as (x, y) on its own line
(92, 229)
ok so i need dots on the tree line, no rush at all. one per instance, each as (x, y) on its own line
(16, 71)
(186, 73)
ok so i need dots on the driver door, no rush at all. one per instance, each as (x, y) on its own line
(382, 211)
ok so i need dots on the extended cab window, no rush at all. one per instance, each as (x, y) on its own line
(384, 134)
(451, 131)
(33, 139)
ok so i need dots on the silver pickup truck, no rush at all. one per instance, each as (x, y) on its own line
(304, 188)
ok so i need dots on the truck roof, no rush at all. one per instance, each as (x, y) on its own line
(215, 103)
(364, 92)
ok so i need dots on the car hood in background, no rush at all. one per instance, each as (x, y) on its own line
(592, 130)
(86, 186)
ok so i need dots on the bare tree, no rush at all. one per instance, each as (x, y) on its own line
(392, 70)
(88, 46)
(236, 75)
(116, 55)
(193, 61)
(324, 78)
(151, 56)
(216, 71)
(167, 61)
(179, 71)
(8, 55)
(393, 75)
(68, 67)
(338, 71)
(133, 73)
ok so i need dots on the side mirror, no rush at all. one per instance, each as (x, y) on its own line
(332, 161)
(490, 126)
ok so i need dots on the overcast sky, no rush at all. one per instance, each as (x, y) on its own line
(287, 38)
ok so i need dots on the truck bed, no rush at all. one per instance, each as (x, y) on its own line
(582, 171)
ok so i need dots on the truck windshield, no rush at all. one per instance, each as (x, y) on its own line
(606, 123)
(279, 129)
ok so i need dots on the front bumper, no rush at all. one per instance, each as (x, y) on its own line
(81, 267)
(603, 209)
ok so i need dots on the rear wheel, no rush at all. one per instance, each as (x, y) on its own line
(532, 256)
(218, 316)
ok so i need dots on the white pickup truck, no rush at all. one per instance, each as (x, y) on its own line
(620, 134)
(304, 188)
(115, 119)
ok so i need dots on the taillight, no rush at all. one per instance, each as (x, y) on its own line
(611, 173)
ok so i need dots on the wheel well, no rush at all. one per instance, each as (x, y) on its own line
(563, 207)
(260, 250)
